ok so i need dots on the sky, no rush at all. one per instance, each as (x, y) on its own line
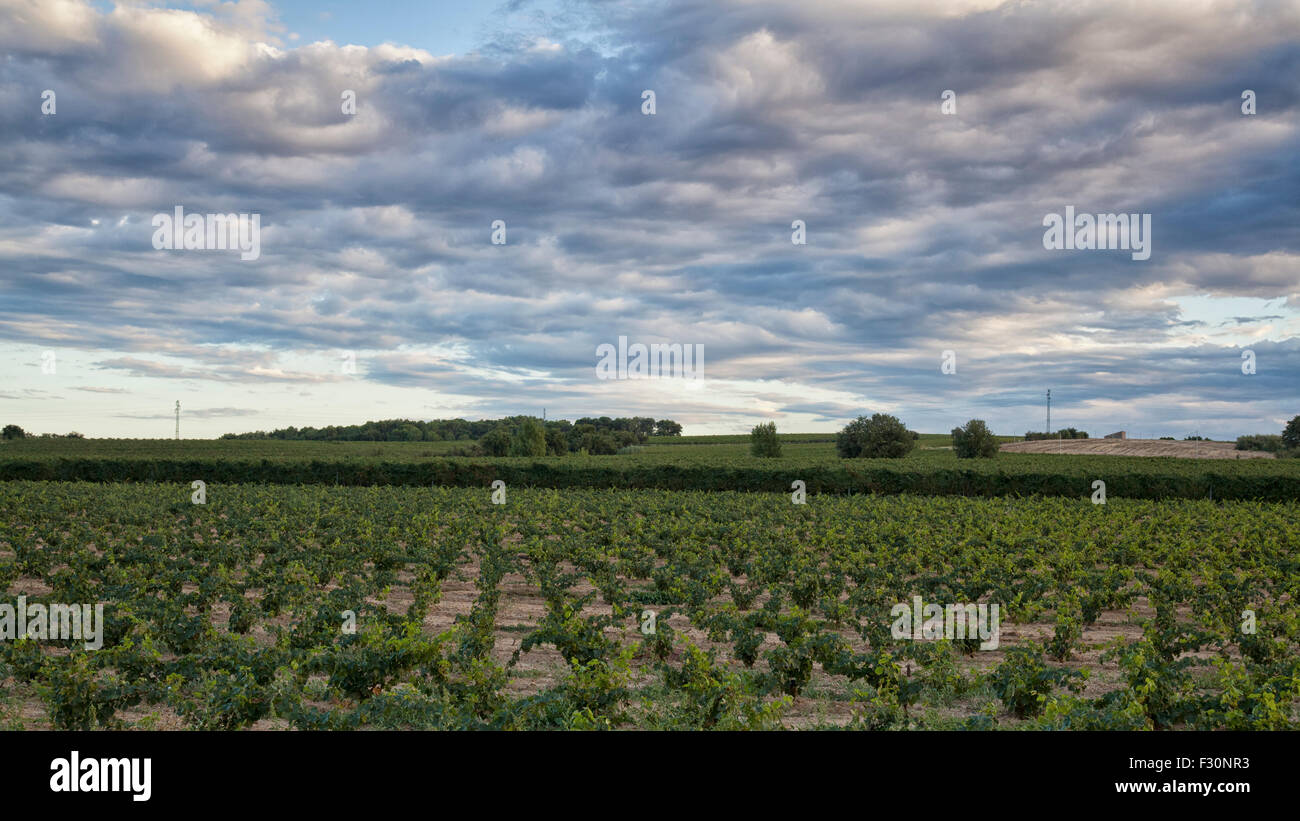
(377, 290)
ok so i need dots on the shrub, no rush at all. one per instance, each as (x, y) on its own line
(1063, 433)
(763, 441)
(880, 437)
(975, 440)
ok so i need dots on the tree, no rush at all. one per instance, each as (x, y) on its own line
(667, 427)
(1290, 436)
(557, 440)
(643, 426)
(596, 440)
(880, 437)
(496, 442)
(13, 432)
(626, 438)
(528, 439)
(763, 441)
(600, 443)
(974, 441)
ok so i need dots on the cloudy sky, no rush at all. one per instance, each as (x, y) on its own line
(924, 227)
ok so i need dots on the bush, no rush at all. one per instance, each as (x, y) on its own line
(528, 439)
(974, 441)
(763, 441)
(12, 432)
(1268, 442)
(1063, 433)
(1291, 435)
(880, 437)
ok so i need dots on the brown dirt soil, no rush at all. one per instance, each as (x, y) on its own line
(1137, 447)
(828, 700)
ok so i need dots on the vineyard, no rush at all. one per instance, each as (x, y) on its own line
(324, 607)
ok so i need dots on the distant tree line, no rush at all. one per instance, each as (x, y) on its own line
(511, 436)
(16, 432)
(1284, 445)
(1063, 433)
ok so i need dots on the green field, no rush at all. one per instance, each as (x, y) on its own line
(931, 468)
(530, 614)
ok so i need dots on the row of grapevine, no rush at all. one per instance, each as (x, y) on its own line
(1141, 481)
(233, 612)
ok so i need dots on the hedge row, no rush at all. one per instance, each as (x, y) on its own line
(849, 477)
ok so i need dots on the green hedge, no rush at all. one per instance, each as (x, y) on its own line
(850, 477)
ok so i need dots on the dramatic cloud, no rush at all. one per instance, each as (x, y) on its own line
(924, 229)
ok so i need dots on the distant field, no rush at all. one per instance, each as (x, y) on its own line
(736, 439)
(924, 440)
(722, 465)
(235, 449)
(1138, 447)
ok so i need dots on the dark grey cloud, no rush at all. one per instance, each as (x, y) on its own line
(924, 230)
